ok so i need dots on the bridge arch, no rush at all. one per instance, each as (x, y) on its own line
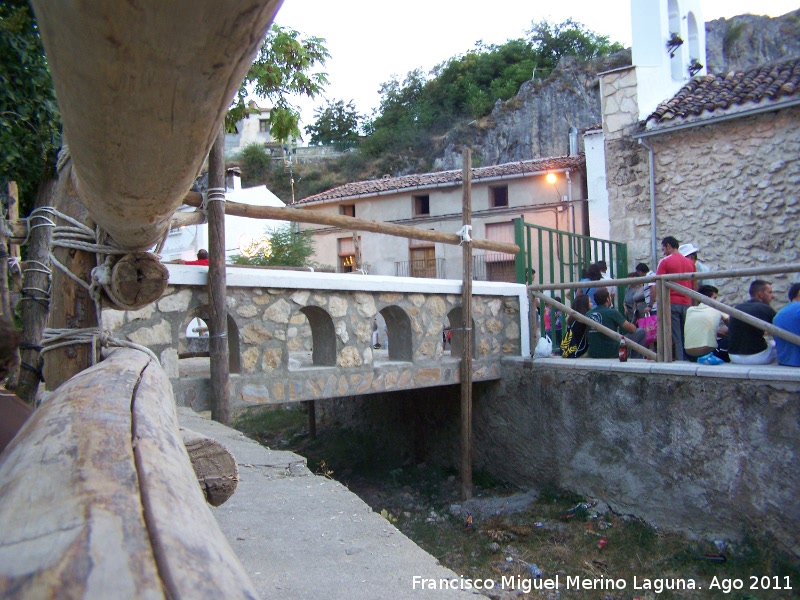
(398, 332)
(323, 336)
(203, 313)
(455, 319)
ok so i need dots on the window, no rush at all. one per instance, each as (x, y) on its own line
(263, 126)
(422, 206)
(348, 210)
(498, 196)
(347, 255)
(422, 262)
(499, 265)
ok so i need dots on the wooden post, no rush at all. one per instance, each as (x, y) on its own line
(36, 294)
(665, 320)
(75, 308)
(466, 326)
(356, 252)
(311, 407)
(218, 323)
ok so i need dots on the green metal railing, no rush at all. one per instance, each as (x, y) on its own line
(553, 256)
(550, 256)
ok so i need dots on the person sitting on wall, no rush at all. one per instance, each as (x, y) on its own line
(202, 259)
(592, 274)
(747, 343)
(788, 318)
(635, 302)
(575, 343)
(704, 332)
(600, 345)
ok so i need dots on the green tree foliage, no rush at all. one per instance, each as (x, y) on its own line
(336, 124)
(284, 66)
(289, 249)
(468, 86)
(30, 123)
(552, 42)
(256, 164)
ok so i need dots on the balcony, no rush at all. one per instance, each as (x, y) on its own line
(433, 268)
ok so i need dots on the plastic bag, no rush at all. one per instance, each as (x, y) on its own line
(544, 347)
(650, 325)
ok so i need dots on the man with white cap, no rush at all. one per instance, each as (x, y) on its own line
(690, 251)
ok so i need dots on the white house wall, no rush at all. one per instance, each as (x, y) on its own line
(381, 252)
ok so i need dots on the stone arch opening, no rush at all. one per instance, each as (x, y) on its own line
(456, 343)
(323, 336)
(694, 39)
(398, 333)
(676, 60)
(197, 348)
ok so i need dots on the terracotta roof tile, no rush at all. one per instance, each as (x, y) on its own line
(443, 178)
(714, 93)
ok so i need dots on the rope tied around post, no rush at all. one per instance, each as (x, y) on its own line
(58, 338)
(214, 194)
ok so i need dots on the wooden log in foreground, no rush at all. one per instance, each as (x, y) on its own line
(98, 498)
(143, 88)
(213, 464)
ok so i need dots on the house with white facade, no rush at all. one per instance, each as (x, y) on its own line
(433, 201)
(241, 233)
(253, 129)
(710, 159)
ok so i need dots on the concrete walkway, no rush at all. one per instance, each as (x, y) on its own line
(302, 536)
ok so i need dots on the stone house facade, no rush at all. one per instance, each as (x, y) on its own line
(723, 178)
(710, 159)
(434, 201)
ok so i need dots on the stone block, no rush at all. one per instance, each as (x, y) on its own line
(178, 302)
(247, 311)
(158, 335)
(278, 312)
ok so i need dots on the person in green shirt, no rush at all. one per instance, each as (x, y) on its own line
(602, 346)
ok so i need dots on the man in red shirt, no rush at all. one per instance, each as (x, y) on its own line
(675, 262)
(202, 258)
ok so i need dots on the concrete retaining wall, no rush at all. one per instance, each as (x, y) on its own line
(707, 455)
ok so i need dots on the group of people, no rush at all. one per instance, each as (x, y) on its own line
(700, 332)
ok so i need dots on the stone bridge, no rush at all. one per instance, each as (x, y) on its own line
(295, 336)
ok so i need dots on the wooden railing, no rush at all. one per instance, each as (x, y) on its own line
(665, 283)
(98, 497)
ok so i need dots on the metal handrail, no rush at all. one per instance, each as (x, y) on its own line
(664, 284)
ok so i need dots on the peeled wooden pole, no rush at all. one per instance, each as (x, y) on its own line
(353, 223)
(143, 88)
(466, 337)
(218, 321)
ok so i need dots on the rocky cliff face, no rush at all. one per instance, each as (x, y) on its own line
(536, 122)
(748, 40)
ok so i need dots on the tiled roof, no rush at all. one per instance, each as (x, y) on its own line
(717, 93)
(387, 185)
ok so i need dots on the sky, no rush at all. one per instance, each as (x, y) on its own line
(370, 41)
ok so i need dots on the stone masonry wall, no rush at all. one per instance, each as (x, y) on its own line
(708, 456)
(267, 325)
